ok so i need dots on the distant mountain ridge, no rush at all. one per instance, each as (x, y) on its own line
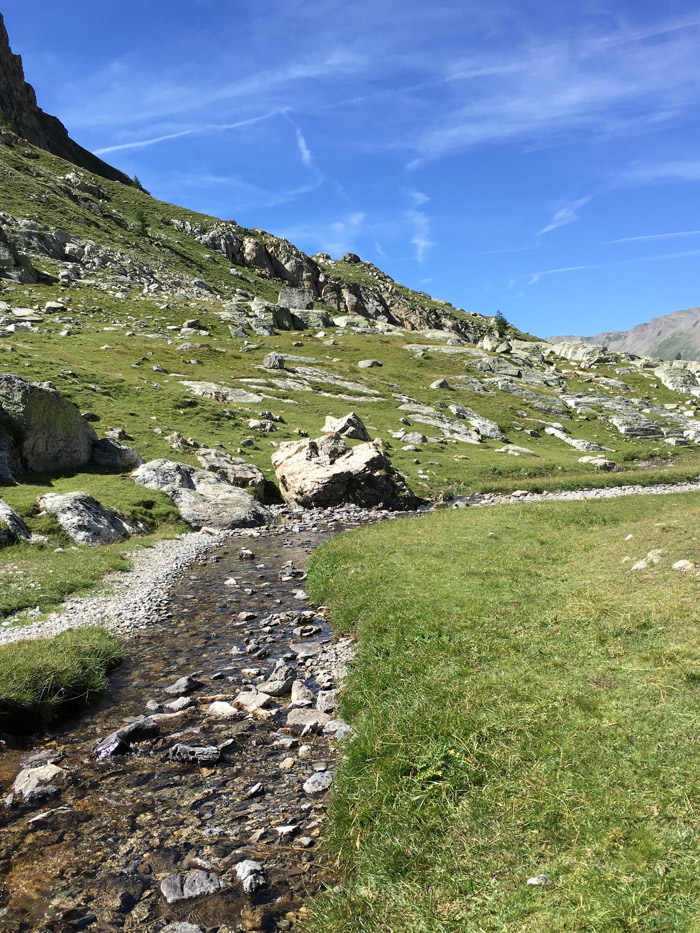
(664, 337)
(20, 113)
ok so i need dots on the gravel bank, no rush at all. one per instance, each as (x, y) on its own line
(133, 599)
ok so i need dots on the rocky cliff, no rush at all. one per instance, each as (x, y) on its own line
(20, 113)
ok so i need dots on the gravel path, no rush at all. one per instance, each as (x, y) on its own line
(138, 597)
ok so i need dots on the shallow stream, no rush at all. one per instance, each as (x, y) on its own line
(94, 855)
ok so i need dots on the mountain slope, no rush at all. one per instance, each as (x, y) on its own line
(19, 112)
(664, 337)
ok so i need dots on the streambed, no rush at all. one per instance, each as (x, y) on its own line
(95, 854)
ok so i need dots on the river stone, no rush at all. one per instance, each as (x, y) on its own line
(202, 498)
(234, 470)
(109, 452)
(325, 473)
(183, 686)
(34, 782)
(12, 527)
(318, 783)
(252, 875)
(349, 425)
(306, 649)
(41, 430)
(201, 754)
(86, 520)
(280, 681)
(120, 742)
(194, 884)
(182, 928)
(220, 709)
(299, 719)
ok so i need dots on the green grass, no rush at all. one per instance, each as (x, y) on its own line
(38, 678)
(523, 704)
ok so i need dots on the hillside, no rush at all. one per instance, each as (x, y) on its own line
(668, 337)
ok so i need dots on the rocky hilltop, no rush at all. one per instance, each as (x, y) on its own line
(667, 337)
(20, 114)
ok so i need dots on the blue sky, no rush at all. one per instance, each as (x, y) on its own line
(541, 158)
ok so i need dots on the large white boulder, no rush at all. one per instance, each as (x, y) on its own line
(325, 472)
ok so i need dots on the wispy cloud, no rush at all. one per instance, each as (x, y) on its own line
(653, 236)
(420, 237)
(566, 215)
(581, 86)
(335, 238)
(203, 130)
(681, 170)
(304, 150)
(537, 276)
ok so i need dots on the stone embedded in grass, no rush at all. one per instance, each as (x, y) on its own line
(686, 566)
(350, 425)
(86, 520)
(202, 498)
(440, 384)
(539, 881)
(12, 527)
(110, 453)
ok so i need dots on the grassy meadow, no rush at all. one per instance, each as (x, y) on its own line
(523, 704)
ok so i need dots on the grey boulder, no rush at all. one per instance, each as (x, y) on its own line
(201, 497)
(194, 884)
(234, 470)
(85, 520)
(40, 431)
(109, 452)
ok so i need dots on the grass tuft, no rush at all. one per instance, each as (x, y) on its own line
(39, 677)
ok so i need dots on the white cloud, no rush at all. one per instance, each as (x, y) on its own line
(566, 215)
(304, 151)
(682, 170)
(203, 130)
(653, 236)
(420, 237)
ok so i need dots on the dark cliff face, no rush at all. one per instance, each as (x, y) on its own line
(24, 117)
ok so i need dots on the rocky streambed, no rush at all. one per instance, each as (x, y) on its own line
(194, 792)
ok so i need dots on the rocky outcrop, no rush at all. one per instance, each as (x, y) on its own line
(86, 520)
(325, 472)
(40, 431)
(21, 112)
(13, 265)
(203, 499)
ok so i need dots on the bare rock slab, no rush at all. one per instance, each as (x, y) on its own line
(203, 498)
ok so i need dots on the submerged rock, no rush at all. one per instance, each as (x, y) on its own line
(194, 884)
